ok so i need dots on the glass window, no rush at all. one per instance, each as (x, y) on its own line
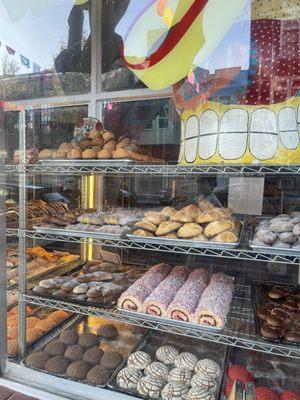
(45, 49)
(154, 124)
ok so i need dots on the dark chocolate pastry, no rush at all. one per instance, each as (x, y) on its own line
(55, 348)
(57, 365)
(98, 375)
(270, 332)
(93, 355)
(111, 359)
(78, 369)
(88, 340)
(69, 337)
(107, 331)
(37, 359)
(74, 352)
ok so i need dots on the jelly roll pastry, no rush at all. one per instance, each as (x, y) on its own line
(215, 301)
(187, 298)
(159, 300)
(133, 298)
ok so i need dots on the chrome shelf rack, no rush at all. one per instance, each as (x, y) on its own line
(239, 330)
(79, 167)
(240, 253)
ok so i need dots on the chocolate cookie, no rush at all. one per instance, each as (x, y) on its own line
(107, 331)
(98, 375)
(111, 360)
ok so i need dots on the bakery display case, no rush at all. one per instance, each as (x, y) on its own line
(152, 245)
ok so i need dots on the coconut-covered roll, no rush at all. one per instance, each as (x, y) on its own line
(215, 301)
(161, 297)
(187, 298)
(133, 298)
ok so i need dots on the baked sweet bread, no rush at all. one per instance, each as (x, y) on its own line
(186, 360)
(146, 225)
(155, 217)
(167, 227)
(216, 227)
(128, 378)
(180, 375)
(150, 387)
(74, 154)
(168, 211)
(205, 205)
(189, 230)
(139, 360)
(121, 153)
(167, 354)
(142, 232)
(192, 210)
(226, 237)
(104, 154)
(89, 154)
(212, 215)
(46, 153)
(181, 216)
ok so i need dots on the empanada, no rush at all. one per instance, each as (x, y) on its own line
(167, 227)
(215, 214)
(155, 217)
(142, 232)
(216, 227)
(189, 230)
(192, 210)
(181, 216)
(147, 225)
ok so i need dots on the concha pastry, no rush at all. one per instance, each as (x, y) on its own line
(88, 340)
(197, 393)
(150, 387)
(157, 370)
(209, 367)
(139, 360)
(180, 375)
(128, 378)
(174, 391)
(167, 354)
(57, 365)
(37, 359)
(186, 360)
(204, 381)
(78, 369)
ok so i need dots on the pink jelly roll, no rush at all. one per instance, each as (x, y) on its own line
(133, 298)
(215, 301)
(187, 298)
(161, 297)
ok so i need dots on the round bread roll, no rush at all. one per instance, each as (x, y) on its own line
(121, 154)
(57, 365)
(46, 153)
(88, 340)
(12, 347)
(204, 381)
(45, 325)
(104, 154)
(55, 348)
(128, 378)
(60, 154)
(146, 225)
(107, 135)
(97, 141)
(186, 360)
(13, 332)
(111, 360)
(37, 359)
(96, 149)
(93, 355)
(189, 230)
(155, 217)
(142, 232)
(89, 154)
(110, 145)
(66, 146)
(208, 367)
(181, 216)
(74, 154)
(98, 375)
(31, 322)
(58, 316)
(174, 391)
(78, 369)
(180, 375)
(94, 134)
(139, 360)
(84, 144)
(33, 335)
(74, 352)
(167, 227)
(150, 387)
(167, 354)
(157, 370)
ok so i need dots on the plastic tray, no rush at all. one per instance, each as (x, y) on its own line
(85, 324)
(258, 289)
(169, 321)
(80, 234)
(154, 340)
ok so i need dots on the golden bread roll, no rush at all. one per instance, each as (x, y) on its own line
(89, 154)
(226, 237)
(110, 145)
(200, 238)
(147, 225)
(74, 154)
(168, 211)
(212, 215)
(216, 227)
(60, 154)
(142, 232)
(155, 217)
(98, 141)
(191, 210)
(13, 332)
(66, 146)
(108, 135)
(181, 216)
(136, 156)
(205, 205)
(33, 334)
(84, 144)
(94, 134)
(46, 153)
(189, 230)
(121, 153)
(12, 347)
(104, 154)
(167, 227)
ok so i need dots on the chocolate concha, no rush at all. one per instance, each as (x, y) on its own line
(128, 378)
(197, 393)
(175, 391)
(204, 381)
(139, 360)
(186, 360)
(180, 375)
(167, 354)
(150, 387)
(209, 367)
(157, 370)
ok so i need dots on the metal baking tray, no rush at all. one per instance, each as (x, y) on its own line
(154, 340)
(169, 321)
(41, 312)
(85, 324)
(258, 288)
(69, 264)
(80, 234)
(184, 242)
(273, 250)
(112, 162)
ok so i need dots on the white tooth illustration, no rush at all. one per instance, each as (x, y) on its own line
(288, 129)
(263, 134)
(208, 134)
(233, 134)
(191, 138)
(182, 133)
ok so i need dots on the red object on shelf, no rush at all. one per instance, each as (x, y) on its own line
(239, 372)
(265, 393)
(289, 395)
(228, 387)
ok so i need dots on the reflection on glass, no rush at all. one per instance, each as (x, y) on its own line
(153, 123)
(45, 49)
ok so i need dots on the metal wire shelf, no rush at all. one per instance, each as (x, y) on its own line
(239, 331)
(79, 168)
(238, 253)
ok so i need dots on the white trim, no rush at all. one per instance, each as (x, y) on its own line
(48, 102)
(135, 94)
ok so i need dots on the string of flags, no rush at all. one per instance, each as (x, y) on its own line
(24, 60)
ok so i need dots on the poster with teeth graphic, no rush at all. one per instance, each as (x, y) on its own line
(235, 71)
